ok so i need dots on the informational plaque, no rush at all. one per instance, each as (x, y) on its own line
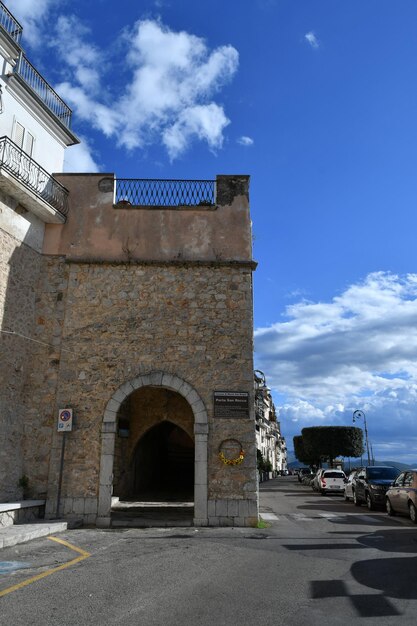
(231, 404)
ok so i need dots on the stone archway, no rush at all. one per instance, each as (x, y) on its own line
(167, 381)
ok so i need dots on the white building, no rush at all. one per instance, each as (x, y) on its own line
(34, 132)
(269, 440)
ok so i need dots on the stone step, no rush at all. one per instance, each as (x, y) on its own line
(20, 533)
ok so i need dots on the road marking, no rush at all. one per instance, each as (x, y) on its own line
(269, 516)
(83, 555)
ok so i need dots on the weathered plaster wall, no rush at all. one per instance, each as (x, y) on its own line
(95, 230)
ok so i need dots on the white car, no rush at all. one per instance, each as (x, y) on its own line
(349, 485)
(332, 481)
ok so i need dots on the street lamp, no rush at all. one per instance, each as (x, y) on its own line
(358, 415)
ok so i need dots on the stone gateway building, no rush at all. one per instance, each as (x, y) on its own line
(135, 313)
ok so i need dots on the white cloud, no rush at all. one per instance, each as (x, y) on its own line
(32, 17)
(245, 141)
(168, 97)
(79, 158)
(312, 39)
(83, 58)
(357, 351)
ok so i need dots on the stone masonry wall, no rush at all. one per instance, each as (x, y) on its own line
(112, 322)
(19, 271)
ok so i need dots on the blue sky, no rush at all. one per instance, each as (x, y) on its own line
(317, 101)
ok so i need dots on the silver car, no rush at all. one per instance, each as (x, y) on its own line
(401, 497)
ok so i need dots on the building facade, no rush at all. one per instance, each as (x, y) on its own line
(270, 443)
(128, 304)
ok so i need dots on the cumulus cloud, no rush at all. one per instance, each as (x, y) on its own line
(79, 158)
(312, 39)
(357, 351)
(32, 17)
(168, 95)
(245, 141)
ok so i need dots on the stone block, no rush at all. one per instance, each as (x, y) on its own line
(171, 382)
(211, 508)
(108, 427)
(201, 451)
(66, 506)
(213, 521)
(156, 378)
(200, 416)
(201, 429)
(109, 416)
(193, 397)
(90, 506)
(253, 508)
(239, 521)
(221, 508)
(78, 506)
(107, 443)
(233, 508)
(226, 521)
(106, 469)
(103, 522)
(243, 508)
(113, 404)
(200, 474)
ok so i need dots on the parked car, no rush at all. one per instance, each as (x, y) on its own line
(332, 481)
(349, 485)
(307, 478)
(315, 483)
(302, 471)
(401, 497)
(371, 483)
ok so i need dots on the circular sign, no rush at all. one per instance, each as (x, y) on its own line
(65, 416)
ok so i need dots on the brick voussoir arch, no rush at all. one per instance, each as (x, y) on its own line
(164, 380)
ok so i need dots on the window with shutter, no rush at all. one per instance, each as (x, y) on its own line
(23, 138)
(19, 133)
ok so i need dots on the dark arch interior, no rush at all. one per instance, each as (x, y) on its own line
(164, 464)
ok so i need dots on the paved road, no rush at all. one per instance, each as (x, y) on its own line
(320, 562)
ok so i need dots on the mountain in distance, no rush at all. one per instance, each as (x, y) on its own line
(293, 463)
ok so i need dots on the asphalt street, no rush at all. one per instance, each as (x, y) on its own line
(319, 561)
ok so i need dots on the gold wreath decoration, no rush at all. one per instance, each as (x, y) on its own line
(237, 461)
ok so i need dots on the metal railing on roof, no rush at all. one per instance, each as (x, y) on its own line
(10, 23)
(165, 193)
(43, 90)
(24, 169)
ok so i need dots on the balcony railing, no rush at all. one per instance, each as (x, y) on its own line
(165, 193)
(10, 24)
(43, 90)
(24, 169)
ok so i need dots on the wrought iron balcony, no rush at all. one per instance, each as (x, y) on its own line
(43, 90)
(150, 192)
(32, 176)
(10, 23)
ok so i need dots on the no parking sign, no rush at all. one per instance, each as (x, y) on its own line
(64, 420)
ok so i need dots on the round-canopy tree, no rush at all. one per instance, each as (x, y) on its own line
(301, 453)
(333, 441)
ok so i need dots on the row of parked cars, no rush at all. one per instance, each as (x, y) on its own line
(377, 486)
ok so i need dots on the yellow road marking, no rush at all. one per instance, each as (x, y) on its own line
(29, 581)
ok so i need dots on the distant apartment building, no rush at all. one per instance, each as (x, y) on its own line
(270, 443)
(126, 313)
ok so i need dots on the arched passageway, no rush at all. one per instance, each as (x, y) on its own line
(163, 464)
(137, 407)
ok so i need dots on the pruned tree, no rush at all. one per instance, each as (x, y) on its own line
(333, 441)
(301, 453)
